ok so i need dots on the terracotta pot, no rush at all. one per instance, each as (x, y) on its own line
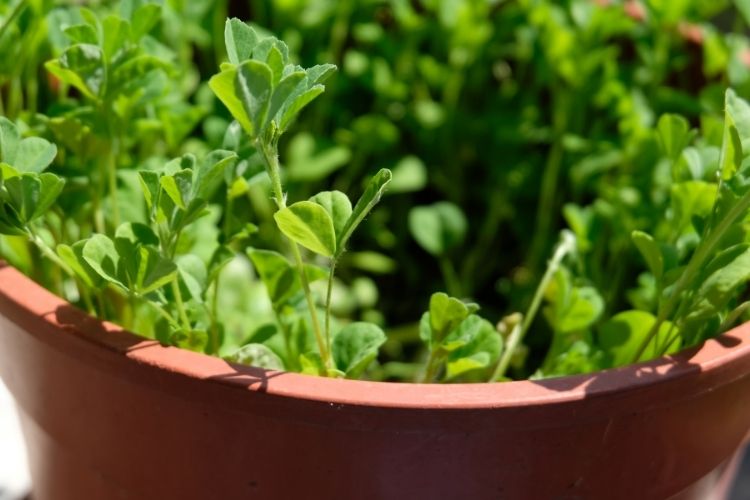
(108, 415)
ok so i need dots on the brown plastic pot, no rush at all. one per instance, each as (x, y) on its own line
(108, 415)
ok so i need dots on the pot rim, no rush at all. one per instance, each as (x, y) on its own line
(713, 363)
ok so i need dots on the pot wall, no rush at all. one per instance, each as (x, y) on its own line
(109, 415)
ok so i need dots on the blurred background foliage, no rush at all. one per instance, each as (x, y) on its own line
(502, 120)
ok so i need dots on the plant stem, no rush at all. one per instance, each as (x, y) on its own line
(272, 163)
(17, 10)
(733, 316)
(433, 362)
(566, 245)
(112, 177)
(550, 180)
(180, 306)
(329, 292)
(49, 253)
(452, 282)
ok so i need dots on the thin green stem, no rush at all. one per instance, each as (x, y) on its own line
(49, 253)
(566, 245)
(270, 156)
(550, 183)
(329, 293)
(433, 363)
(180, 305)
(452, 281)
(17, 10)
(733, 316)
(112, 179)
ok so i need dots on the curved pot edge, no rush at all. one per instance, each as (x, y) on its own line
(715, 362)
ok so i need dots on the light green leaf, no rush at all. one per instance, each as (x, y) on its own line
(9, 139)
(729, 270)
(116, 34)
(178, 187)
(356, 346)
(81, 66)
(446, 313)
(622, 335)
(73, 257)
(650, 251)
(337, 205)
(193, 274)
(438, 227)
(51, 187)
(34, 154)
(674, 134)
(309, 225)
(223, 85)
(154, 270)
(409, 175)
(253, 87)
(150, 185)
(239, 39)
(257, 355)
(736, 134)
(100, 253)
(481, 351)
(276, 274)
(371, 196)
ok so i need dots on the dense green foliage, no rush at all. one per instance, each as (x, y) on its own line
(190, 180)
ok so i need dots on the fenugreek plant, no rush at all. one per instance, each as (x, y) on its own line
(187, 205)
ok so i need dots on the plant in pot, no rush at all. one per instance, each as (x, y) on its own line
(109, 414)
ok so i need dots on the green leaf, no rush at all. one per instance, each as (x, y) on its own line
(222, 84)
(73, 257)
(371, 196)
(239, 39)
(23, 195)
(282, 93)
(579, 308)
(736, 134)
(622, 335)
(674, 134)
(150, 185)
(356, 346)
(193, 274)
(438, 227)
(154, 270)
(82, 33)
(194, 340)
(100, 253)
(732, 269)
(178, 187)
(409, 175)
(337, 205)
(81, 66)
(295, 104)
(309, 225)
(51, 187)
(257, 355)
(481, 351)
(464, 333)
(446, 313)
(253, 87)
(650, 251)
(210, 173)
(115, 34)
(34, 154)
(9, 139)
(144, 19)
(276, 274)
